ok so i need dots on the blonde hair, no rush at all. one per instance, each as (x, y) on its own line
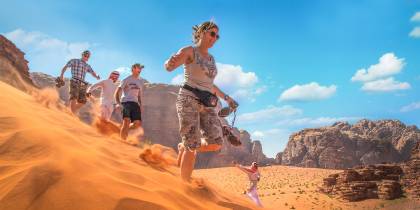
(198, 29)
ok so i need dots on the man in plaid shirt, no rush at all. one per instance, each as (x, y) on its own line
(78, 86)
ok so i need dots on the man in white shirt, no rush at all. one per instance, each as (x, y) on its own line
(107, 99)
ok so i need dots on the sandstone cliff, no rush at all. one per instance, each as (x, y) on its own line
(14, 68)
(343, 145)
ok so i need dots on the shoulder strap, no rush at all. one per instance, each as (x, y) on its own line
(195, 54)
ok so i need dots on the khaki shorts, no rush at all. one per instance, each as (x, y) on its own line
(78, 91)
(196, 120)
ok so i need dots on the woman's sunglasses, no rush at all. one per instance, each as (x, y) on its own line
(214, 35)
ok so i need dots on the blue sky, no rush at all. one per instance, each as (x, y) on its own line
(290, 64)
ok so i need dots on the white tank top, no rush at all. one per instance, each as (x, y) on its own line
(200, 73)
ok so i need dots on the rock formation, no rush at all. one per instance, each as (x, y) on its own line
(14, 68)
(278, 158)
(373, 181)
(411, 179)
(384, 181)
(343, 145)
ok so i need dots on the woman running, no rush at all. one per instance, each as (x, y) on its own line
(254, 178)
(198, 97)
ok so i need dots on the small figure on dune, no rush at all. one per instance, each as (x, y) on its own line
(198, 97)
(78, 85)
(254, 178)
(107, 99)
(130, 100)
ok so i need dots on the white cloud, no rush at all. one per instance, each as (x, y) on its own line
(308, 92)
(45, 45)
(233, 77)
(261, 90)
(237, 82)
(415, 32)
(388, 65)
(377, 78)
(178, 79)
(269, 114)
(257, 135)
(233, 80)
(416, 17)
(385, 85)
(411, 107)
(315, 122)
(122, 69)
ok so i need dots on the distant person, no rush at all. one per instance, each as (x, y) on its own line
(130, 100)
(197, 98)
(108, 88)
(78, 85)
(254, 178)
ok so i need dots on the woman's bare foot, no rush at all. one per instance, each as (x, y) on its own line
(181, 149)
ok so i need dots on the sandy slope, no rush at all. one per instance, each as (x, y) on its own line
(283, 187)
(50, 160)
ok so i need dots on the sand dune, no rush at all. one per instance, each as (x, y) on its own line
(50, 160)
(285, 187)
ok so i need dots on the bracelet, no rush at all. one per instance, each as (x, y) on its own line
(226, 97)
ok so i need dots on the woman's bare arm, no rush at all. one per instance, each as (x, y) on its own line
(117, 95)
(183, 56)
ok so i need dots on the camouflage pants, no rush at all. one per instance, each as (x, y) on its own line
(196, 120)
(78, 91)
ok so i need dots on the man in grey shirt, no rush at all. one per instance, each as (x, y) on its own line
(132, 91)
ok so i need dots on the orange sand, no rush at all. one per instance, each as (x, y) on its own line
(283, 187)
(50, 160)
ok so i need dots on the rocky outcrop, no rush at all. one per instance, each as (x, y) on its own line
(411, 179)
(343, 145)
(160, 120)
(373, 181)
(278, 158)
(384, 181)
(14, 68)
(257, 151)
(160, 123)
